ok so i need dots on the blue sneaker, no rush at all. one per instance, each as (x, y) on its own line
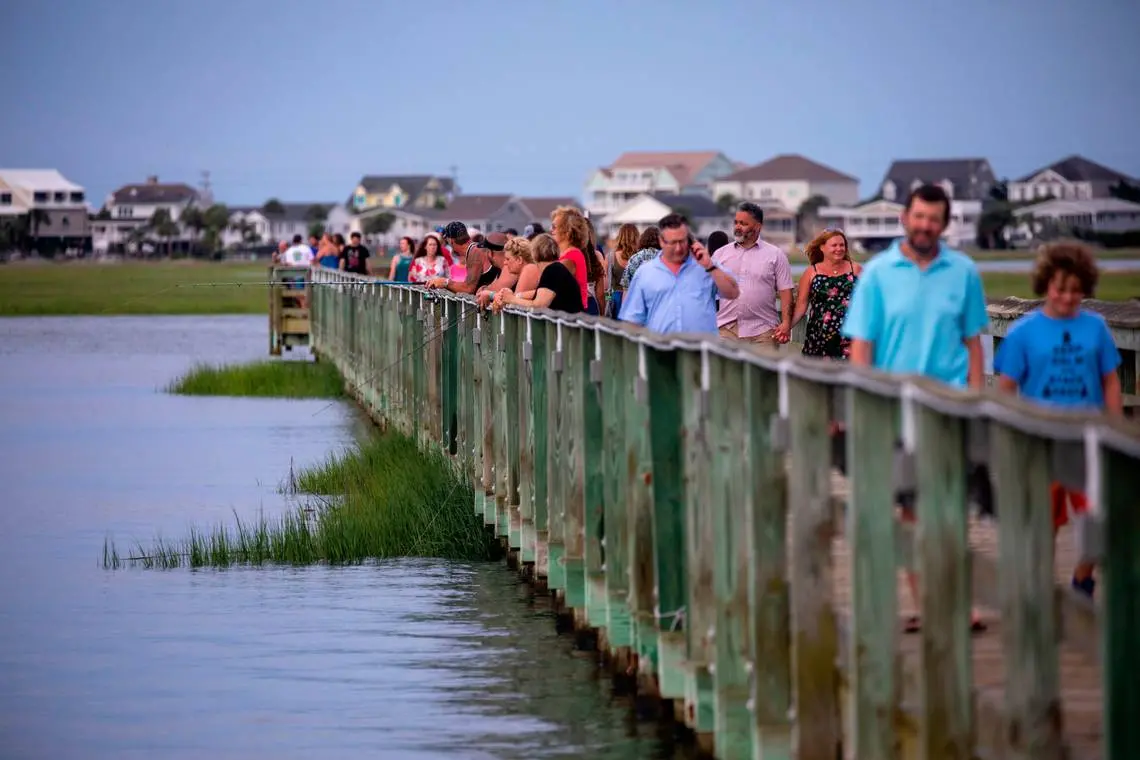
(1086, 586)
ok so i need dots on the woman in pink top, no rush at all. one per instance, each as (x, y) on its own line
(571, 232)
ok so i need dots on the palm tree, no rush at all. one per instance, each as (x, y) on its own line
(725, 202)
(193, 220)
(807, 216)
(273, 206)
(164, 226)
(215, 219)
(379, 224)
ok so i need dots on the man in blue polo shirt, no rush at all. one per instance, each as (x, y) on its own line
(676, 291)
(919, 309)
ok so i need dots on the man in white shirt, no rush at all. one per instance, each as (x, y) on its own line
(298, 254)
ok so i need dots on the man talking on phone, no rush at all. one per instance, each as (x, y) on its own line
(677, 291)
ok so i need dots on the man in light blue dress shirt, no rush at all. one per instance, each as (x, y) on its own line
(677, 291)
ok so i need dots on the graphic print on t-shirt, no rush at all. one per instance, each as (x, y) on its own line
(1066, 381)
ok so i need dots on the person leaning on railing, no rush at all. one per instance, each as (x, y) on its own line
(556, 289)
(480, 269)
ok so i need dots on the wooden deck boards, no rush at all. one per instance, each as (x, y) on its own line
(1081, 686)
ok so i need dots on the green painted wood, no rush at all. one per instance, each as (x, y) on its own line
(947, 716)
(1020, 469)
(478, 421)
(617, 391)
(526, 474)
(539, 411)
(555, 471)
(815, 637)
(512, 359)
(700, 539)
(638, 459)
(450, 319)
(669, 553)
(593, 459)
(1119, 478)
(574, 465)
(875, 666)
(730, 468)
(500, 470)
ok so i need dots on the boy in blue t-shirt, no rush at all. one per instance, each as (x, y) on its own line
(1061, 355)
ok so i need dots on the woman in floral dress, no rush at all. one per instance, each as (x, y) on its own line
(429, 261)
(824, 293)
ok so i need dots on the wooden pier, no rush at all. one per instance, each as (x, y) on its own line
(290, 294)
(677, 495)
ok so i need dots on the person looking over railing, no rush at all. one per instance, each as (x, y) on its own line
(677, 291)
(570, 230)
(328, 252)
(557, 289)
(495, 243)
(356, 258)
(479, 269)
(429, 261)
(1061, 355)
(519, 261)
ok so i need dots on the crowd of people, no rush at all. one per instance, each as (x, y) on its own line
(916, 308)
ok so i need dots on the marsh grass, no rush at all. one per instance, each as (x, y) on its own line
(278, 379)
(389, 499)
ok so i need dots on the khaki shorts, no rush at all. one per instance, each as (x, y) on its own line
(730, 331)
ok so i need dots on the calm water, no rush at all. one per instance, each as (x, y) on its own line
(410, 659)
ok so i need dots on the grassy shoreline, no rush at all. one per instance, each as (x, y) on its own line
(266, 379)
(384, 499)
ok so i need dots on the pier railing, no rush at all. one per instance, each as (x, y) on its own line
(677, 492)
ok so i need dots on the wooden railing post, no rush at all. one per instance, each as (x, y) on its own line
(618, 380)
(769, 588)
(574, 465)
(593, 454)
(515, 430)
(665, 442)
(731, 469)
(937, 443)
(872, 422)
(524, 407)
(1118, 478)
(556, 463)
(539, 435)
(638, 472)
(815, 638)
(695, 378)
(1021, 475)
(500, 427)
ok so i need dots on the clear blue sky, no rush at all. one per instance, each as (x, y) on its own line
(298, 99)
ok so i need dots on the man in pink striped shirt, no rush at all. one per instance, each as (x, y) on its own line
(762, 272)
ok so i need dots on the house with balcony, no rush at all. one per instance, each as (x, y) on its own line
(410, 191)
(51, 208)
(788, 180)
(1075, 178)
(874, 223)
(637, 172)
(126, 220)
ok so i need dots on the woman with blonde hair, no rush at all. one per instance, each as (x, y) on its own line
(556, 289)
(824, 294)
(572, 233)
(518, 259)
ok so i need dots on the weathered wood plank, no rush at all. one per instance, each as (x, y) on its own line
(768, 588)
(638, 471)
(947, 728)
(815, 644)
(593, 451)
(617, 391)
(1020, 468)
(872, 422)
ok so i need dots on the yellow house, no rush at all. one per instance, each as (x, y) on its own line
(409, 191)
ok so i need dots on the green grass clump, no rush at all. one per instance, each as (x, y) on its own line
(166, 287)
(389, 499)
(273, 379)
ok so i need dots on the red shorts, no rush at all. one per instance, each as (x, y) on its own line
(1064, 499)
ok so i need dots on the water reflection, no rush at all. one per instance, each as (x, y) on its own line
(411, 659)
